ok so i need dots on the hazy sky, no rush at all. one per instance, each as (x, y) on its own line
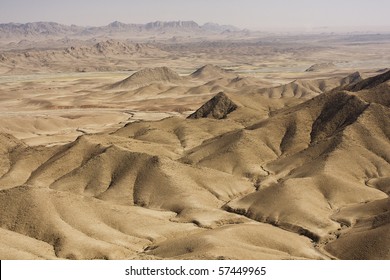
(254, 14)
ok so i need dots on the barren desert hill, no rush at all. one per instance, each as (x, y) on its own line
(187, 134)
(154, 85)
(45, 30)
(320, 66)
(307, 122)
(100, 56)
(211, 72)
(164, 98)
(218, 108)
(153, 82)
(309, 88)
(9, 143)
(148, 76)
(253, 100)
(327, 131)
(278, 177)
(370, 82)
(174, 140)
(35, 29)
(369, 222)
(115, 47)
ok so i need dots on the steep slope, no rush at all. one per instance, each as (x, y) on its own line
(309, 88)
(332, 171)
(8, 146)
(303, 152)
(369, 82)
(217, 107)
(367, 234)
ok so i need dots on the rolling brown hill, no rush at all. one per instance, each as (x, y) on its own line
(149, 76)
(211, 72)
(282, 176)
(310, 88)
(105, 55)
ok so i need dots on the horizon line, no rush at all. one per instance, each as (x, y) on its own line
(265, 28)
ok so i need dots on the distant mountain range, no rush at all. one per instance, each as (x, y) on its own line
(44, 30)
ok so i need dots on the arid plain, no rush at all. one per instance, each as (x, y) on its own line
(218, 145)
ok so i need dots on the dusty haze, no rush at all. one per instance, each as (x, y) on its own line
(282, 15)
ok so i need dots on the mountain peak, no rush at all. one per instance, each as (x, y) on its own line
(150, 75)
(215, 27)
(46, 30)
(171, 24)
(210, 71)
(370, 82)
(117, 24)
(217, 107)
